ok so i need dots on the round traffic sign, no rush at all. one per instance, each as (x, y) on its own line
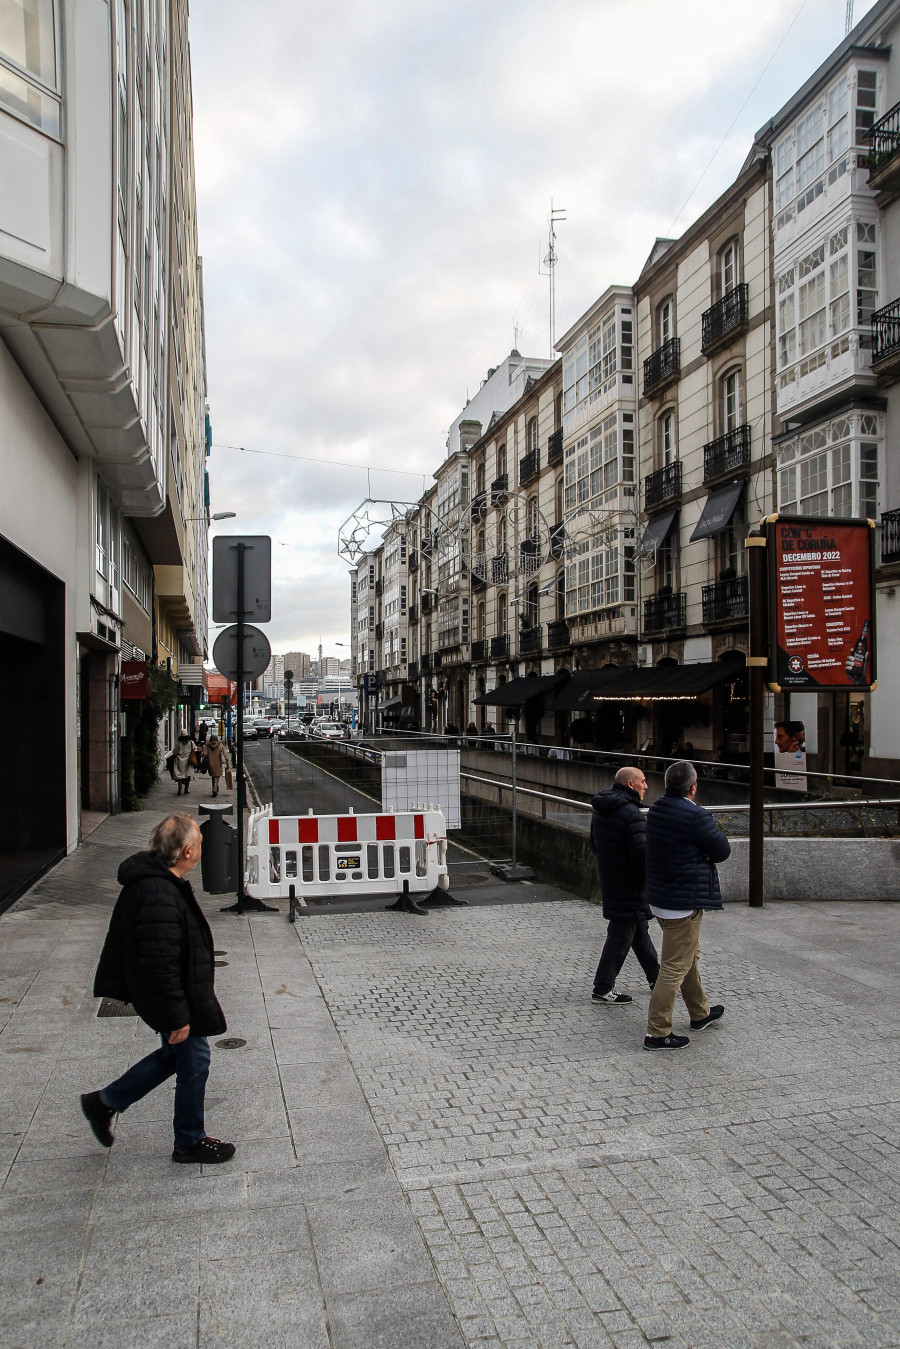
(257, 652)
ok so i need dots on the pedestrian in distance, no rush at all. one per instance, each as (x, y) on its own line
(158, 955)
(684, 843)
(217, 761)
(618, 833)
(185, 762)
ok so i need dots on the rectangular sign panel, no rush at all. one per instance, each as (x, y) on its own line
(133, 679)
(821, 603)
(257, 551)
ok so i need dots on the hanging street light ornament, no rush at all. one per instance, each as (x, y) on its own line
(367, 526)
(504, 538)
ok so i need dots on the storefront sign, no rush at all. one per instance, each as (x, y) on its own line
(133, 679)
(821, 603)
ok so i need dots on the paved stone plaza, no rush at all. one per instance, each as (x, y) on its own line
(442, 1142)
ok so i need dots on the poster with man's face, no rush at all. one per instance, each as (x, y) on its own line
(790, 756)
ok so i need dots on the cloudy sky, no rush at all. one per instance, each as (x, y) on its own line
(374, 181)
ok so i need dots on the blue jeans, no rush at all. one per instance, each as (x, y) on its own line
(189, 1062)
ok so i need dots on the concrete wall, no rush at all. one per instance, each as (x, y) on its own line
(818, 868)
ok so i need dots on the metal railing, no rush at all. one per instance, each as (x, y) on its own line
(499, 569)
(555, 448)
(479, 506)
(412, 671)
(557, 634)
(890, 536)
(499, 489)
(529, 641)
(500, 647)
(727, 454)
(663, 485)
(886, 331)
(726, 599)
(726, 316)
(557, 540)
(413, 561)
(662, 366)
(884, 139)
(665, 611)
(427, 662)
(479, 649)
(529, 466)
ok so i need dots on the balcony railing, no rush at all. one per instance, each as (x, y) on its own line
(890, 536)
(479, 650)
(662, 486)
(379, 587)
(726, 599)
(665, 611)
(479, 506)
(379, 631)
(884, 147)
(555, 448)
(663, 367)
(726, 318)
(886, 332)
(529, 556)
(414, 613)
(557, 635)
(428, 542)
(557, 539)
(413, 560)
(500, 647)
(529, 641)
(412, 671)
(499, 569)
(427, 603)
(727, 454)
(529, 466)
(499, 489)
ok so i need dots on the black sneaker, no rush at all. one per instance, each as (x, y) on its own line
(99, 1117)
(714, 1014)
(665, 1041)
(612, 996)
(208, 1150)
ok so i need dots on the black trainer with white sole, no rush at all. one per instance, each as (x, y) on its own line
(714, 1014)
(615, 999)
(665, 1041)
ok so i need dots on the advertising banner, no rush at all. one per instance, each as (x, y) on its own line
(821, 603)
(133, 679)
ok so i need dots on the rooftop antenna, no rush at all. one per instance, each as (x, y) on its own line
(849, 21)
(557, 214)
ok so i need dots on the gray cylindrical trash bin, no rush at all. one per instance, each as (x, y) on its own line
(217, 860)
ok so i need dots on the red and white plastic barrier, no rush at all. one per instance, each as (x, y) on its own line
(307, 856)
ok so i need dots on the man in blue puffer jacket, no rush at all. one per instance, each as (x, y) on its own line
(683, 845)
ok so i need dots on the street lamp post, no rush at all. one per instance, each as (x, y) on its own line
(340, 679)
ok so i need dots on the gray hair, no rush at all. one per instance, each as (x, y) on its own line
(680, 778)
(170, 836)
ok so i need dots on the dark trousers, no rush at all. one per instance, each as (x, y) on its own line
(622, 936)
(188, 1062)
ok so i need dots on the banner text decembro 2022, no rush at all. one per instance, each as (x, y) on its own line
(821, 592)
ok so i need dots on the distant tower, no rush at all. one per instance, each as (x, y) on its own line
(557, 214)
(320, 657)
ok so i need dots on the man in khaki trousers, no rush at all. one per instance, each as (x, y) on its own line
(683, 845)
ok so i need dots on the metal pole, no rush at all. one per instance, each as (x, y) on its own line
(515, 859)
(272, 770)
(757, 662)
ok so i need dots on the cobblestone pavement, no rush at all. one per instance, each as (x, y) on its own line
(576, 1191)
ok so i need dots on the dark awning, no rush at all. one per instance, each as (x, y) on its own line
(390, 702)
(717, 511)
(576, 695)
(656, 531)
(668, 681)
(517, 692)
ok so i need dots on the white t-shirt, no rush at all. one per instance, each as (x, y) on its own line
(671, 913)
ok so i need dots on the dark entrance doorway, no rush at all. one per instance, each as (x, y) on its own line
(33, 694)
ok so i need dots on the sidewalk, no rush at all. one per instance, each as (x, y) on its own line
(442, 1142)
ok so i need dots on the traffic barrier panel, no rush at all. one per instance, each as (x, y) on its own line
(302, 857)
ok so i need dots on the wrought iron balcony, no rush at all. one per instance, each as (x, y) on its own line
(884, 155)
(427, 663)
(499, 569)
(662, 612)
(726, 600)
(890, 536)
(529, 466)
(479, 650)
(428, 541)
(414, 613)
(529, 556)
(479, 506)
(412, 671)
(726, 319)
(379, 631)
(379, 587)
(529, 641)
(557, 540)
(413, 560)
(557, 635)
(555, 448)
(427, 602)
(727, 455)
(662, 486)
(662, 368)
(499, 489)
(500, 647)
(886, 342)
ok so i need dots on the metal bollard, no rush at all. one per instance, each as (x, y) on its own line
(217, 860)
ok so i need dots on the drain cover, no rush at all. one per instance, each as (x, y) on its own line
(221, 962)
(233, 1043)
(112, 1007)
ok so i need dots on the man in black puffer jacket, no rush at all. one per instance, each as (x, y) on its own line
(159, 956)
(684, 843)
(618, 830)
